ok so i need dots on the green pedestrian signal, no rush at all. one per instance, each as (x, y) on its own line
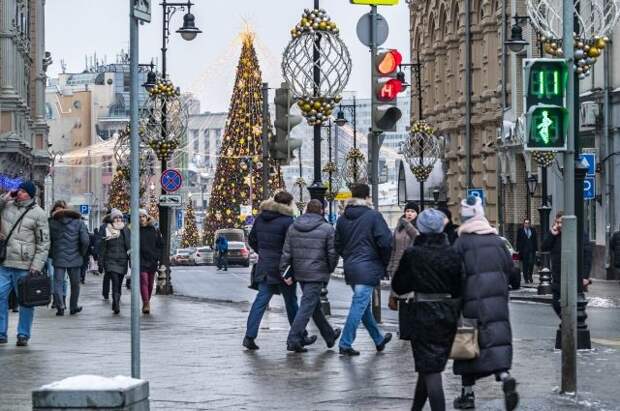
(545, 85)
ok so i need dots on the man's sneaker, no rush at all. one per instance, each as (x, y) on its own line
(465, 401)
(309, 340)
(3, 340)
(248, 342)
(296, 348)
(386, 339)
(511, 397)
(348, 352)
(21, 341)
(337, 332)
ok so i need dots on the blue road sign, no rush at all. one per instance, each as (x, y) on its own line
(589, 158)
(249, 220)
(476, 192)
(84, 209)
(171, 180)
(179, 215)
(589, 188)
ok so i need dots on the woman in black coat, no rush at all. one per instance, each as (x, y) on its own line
(488, 265)
(115, 254)
(151, 247)
(433, 270)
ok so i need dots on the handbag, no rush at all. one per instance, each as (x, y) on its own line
(4, 242)
(465, 345)
(34, 290)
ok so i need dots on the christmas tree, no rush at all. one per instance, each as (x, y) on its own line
(191, 237)
(118, 194)
(238, 177)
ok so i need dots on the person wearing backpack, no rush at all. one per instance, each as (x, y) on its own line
(25, 231)
(221, 246)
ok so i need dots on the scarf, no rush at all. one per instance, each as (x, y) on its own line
(477, 225)
(113, 230)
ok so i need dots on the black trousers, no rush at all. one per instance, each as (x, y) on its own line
(528, 267)
(117, 283)
(310, 306)
(107, 279)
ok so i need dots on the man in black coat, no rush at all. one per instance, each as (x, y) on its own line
(527, 246)
(614, 253)
(267, 239)
(309, 252)
(364, 241)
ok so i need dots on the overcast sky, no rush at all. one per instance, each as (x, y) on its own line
(206, 66)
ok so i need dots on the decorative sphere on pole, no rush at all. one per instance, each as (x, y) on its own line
(422, 149)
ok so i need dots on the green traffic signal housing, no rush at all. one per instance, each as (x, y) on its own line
(282, 146)
(547, 126)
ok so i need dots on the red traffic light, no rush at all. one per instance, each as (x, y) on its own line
(389, 90)
(388, 62)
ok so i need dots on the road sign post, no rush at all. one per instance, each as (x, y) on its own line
(477, 192)
(171, 180)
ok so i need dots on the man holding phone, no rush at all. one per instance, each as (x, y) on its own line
(24, 227)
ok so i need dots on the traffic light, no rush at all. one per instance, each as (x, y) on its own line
(388, 85)
(282, 146)
(545, 82)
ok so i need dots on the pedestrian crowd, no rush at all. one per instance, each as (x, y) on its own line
(60, 246)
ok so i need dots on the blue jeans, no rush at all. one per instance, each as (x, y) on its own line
(360, 311)
(265, 292)
(8, 281)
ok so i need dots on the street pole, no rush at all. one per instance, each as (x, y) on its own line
(569, 223)
(468, 87)
(134, 195)
(418, 74)
(544, 275)
(265, 141)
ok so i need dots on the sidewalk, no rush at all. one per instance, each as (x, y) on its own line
(193, 359)
(601, 294)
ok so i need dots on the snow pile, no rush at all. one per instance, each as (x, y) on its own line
(601, 302)
(93, 383)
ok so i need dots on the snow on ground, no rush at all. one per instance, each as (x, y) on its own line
(93, 383)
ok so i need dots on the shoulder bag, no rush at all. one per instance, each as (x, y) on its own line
(465, 345)
(4, 242)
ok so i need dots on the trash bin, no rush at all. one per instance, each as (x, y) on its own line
(88, 392)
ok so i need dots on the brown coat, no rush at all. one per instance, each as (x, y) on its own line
(404, 235)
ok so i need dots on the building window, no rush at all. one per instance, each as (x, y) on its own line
(195, 141)
(207, 141)
(107, 164)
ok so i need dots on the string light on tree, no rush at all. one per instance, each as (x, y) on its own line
(191, 236)
(118, 194)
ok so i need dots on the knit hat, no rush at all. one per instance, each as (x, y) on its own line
(411, 205)
(431, 221)
(115, 213)
(471, 207)
(142, 211)
(29, 187)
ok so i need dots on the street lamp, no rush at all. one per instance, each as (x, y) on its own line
(532, 183)
(516, 43)
(189, 31)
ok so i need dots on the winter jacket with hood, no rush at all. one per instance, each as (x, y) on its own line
(267, 239)
(151, 246)
(29, 244)
(364, 241)
(403, 238)
(431, 266)
(115, 251)
(309, 249)
(70, 239)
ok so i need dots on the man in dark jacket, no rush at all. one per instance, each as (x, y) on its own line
(364, 241)
(221, 247)
(151, 248)
(553, 244)
(309, 252)
(69, 245)
(614, 253)
(267, 239)
(527, 246)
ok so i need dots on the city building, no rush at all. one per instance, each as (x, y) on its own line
(23, 62)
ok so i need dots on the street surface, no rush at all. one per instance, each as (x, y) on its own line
(193, 359)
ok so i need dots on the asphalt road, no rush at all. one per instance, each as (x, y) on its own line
(529, 320)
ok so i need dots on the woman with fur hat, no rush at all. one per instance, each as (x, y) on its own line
(115, 254)
(151, 247)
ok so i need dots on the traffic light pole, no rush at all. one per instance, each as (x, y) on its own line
(265, 143)
(418, 78)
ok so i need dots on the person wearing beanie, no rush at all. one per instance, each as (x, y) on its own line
(488, 268)
(402, 238)
(433, 270)
(151, 249)
(115, 254)
(27, 248)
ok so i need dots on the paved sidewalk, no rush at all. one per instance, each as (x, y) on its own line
(192, 357)
(601, 294)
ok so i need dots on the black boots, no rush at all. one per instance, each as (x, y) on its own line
(465, 401)
(116, 303)
(248, 342)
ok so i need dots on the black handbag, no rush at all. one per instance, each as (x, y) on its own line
(4, 242)
(34, 290)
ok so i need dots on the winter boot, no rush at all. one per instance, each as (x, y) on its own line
(511, 397)
(146, 308)
(248, 342)
(465, 401)
(116, 302)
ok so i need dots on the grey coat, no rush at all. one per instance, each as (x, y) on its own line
(70, 239)
(403, 238)
(485, 297)
(309, 248)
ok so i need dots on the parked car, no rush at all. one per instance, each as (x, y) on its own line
(203, 256)
(238, 253)
(230, 234)
(515, 277)
(183, 256)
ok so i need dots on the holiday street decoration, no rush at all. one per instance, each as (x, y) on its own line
(239, 173)
(595, 21)
(164, 120)
(422, 149)
(122, 149)
(191, 236)
(316, 33)
(354, 169)
(544, 158)
(118, 194)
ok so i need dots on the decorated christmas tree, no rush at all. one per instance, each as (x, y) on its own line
(118, 194)
(240, 163)
(191, 236)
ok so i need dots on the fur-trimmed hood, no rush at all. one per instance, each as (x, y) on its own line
(150, 221)
(66, 213)
(353, 202)
(271, 206)
(356, 207)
